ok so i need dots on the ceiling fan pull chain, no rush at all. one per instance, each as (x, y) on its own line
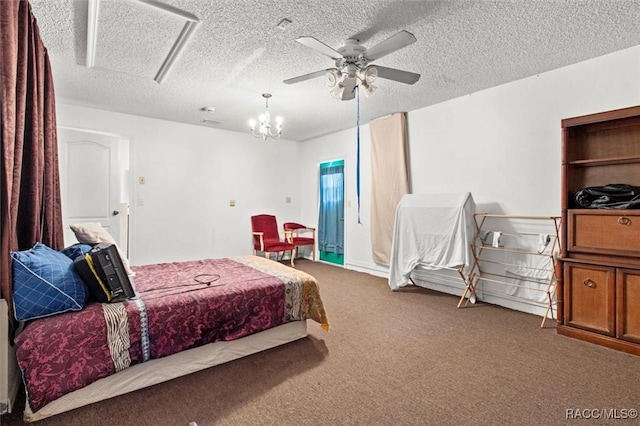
(356, 88)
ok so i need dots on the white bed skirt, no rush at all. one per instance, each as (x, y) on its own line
(162, 369)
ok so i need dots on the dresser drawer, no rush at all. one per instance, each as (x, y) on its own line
(589, 298)
(628, 304)
(604, 231)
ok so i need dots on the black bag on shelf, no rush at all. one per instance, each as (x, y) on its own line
(611, 196)
(104, 274)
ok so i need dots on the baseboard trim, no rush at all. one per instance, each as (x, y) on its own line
(376, 270)
(599, 339)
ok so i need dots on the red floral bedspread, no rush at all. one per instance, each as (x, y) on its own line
(180, 306)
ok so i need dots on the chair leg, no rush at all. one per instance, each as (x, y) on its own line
(292, 257)
(313, 252)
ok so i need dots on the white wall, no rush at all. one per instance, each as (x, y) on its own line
(192, 172)
(502, 144)
(9, 372)
(342, 145)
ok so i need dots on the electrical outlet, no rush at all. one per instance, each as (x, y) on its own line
(142, 180)
(287, 200)
(232, 203)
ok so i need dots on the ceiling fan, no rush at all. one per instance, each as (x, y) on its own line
(352, 64)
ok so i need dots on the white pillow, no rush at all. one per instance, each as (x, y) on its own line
(94, 233)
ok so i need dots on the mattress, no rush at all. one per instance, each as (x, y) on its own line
(161, 370)
(179, 306)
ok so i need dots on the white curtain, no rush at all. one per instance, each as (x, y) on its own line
(389, 180)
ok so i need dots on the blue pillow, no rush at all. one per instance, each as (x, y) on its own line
(76, 250)
(45, 283)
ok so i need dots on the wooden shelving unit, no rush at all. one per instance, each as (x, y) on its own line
(599, 287)
(633, 159)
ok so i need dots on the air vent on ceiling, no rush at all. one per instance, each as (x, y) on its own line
(284, 23)
(150, 53)
(212, 122)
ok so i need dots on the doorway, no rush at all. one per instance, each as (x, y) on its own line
(331, 212)
(93, 181)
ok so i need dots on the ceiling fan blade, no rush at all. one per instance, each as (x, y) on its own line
(397, 75)
(393, 43)
(306, 77)
(319, 46)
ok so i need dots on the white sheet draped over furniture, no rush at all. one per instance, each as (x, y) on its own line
(432, 231)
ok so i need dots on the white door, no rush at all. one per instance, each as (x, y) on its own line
(90, 172)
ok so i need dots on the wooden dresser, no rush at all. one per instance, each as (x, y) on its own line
(598, 290)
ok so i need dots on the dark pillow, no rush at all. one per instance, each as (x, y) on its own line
(75, 250)
(45, 283)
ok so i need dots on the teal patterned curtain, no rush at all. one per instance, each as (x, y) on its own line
(331, 223)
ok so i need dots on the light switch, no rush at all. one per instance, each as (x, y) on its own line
(232, 203)
(287, 200)
(141, 180)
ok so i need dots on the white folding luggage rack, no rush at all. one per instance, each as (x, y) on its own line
(515, 254)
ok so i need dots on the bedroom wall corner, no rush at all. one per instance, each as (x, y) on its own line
(182, 210)
(501, 144)
(343, 145)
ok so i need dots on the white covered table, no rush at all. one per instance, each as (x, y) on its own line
(432, 231)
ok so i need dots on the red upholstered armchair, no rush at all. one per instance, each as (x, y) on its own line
(266, 237)
(301, 235)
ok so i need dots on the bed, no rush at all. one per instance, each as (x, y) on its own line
(187, 316)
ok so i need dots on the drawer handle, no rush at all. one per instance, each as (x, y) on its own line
(589, 283)
(624, 220)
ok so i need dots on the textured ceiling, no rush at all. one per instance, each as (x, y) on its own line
(237, 52)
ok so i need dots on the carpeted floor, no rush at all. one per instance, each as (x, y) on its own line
(393, 358)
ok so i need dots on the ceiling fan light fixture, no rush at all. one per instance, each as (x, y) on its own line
(337, 91)
(333, 77)
(352, 67)
(370, 74)
(368, 88)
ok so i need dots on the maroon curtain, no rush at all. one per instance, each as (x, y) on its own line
(30, 204)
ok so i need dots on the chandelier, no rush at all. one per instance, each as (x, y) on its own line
(264, 131)
(342, 83)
